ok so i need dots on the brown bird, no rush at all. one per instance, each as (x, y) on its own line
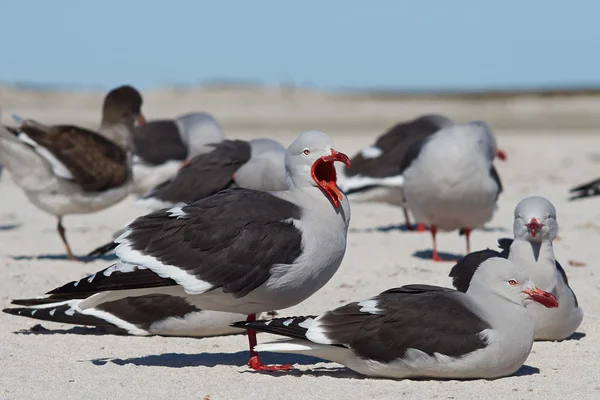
(65, 169)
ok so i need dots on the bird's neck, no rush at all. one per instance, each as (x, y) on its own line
(537, 258)
(119, 133)
(316, 203)
(500, 313)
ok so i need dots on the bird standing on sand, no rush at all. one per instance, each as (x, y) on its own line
(418, 331)
(239, 251)
(535, 228)
(450, 181)
(65, 169)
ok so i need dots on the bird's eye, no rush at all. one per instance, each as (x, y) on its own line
(306, 152)
(512, 282)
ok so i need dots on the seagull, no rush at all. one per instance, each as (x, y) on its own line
(161, 146)
(419, 331)
(588, 189)
(153, 314)
(238, 251)
(209, 173)
(535, 228)
(65, 169)
(376, 173)
(450, 181)
(257, 164)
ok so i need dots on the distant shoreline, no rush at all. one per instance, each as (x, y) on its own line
(240, 106)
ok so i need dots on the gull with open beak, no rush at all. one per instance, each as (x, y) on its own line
(238, 251)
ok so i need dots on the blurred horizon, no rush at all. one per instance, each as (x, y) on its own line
(390, 46)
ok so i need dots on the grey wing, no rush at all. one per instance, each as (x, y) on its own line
(410, 317)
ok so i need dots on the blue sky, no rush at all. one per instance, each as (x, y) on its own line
(395, 44)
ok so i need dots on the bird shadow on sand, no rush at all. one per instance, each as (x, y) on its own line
(180, 360)
(63, 257)
(576, 336)
(527, 370)
(403, 228)
(427, 254)
(9, 227)
(387, 228)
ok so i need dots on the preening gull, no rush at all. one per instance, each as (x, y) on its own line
(65, 169)
(240, 250)
(535, 227)
(424, 331)
(450, 181)
(161, 146)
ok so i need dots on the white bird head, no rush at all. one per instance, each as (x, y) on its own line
(487, 140)
(197, 131)
(309, 162)
(535, 220)
(503, 278)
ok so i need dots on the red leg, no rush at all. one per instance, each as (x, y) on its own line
(421, 227)
(434, 256)
(409, 227)
(254, 362)
(467, 232)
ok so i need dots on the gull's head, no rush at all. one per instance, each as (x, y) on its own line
(198, 130)
(309, 162)
(503, 278)
(487, 140)
(535, 220)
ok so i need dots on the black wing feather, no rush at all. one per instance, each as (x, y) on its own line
(205, 175)
(394, 144)
(157, 142)
(230, 240)
(465, 268)
(588, 189)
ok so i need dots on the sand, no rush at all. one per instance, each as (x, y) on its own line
(75, 363)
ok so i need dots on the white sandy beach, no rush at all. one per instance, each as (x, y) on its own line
(74, 363)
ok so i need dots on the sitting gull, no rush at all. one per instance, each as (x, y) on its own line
(418, 331)
(535, 228)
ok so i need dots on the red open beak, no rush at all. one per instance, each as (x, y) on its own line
(534, 227)
(544, 298)
(323, 172)
(140, 120)
(501, 155)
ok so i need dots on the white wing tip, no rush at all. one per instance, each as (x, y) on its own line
(371, 152)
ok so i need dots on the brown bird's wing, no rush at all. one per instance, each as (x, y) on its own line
(94, 162)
